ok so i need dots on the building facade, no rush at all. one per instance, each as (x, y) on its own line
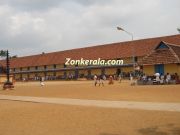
(161, 54)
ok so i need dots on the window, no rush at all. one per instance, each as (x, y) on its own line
(162, 45)
(135, 59)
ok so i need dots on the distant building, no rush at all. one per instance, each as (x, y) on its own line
(161, 54)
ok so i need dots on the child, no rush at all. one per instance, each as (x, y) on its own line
(95, 80)
(111, 80)
(101, 80)
(42, 81)
(120, 78)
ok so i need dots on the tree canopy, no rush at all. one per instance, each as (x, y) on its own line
(3, 53)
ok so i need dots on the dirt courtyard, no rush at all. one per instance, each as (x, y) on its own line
(87, 90)
(27, 118)
(24, 118)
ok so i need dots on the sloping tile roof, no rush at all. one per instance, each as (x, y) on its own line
(163, 55)
(176, 50)
(107, 51)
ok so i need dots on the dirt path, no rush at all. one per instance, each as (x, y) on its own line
(86, 90)
(98, 103)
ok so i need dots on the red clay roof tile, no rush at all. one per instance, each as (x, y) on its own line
(107, 51)
(163, 55)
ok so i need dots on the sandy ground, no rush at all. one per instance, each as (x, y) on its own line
(26, 118)
(23, 118)
(87, 90)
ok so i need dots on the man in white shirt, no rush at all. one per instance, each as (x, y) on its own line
(95, 80)
(168, 78)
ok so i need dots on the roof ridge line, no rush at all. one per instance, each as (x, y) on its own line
(171, 44)
(101, 45)
(174, 53)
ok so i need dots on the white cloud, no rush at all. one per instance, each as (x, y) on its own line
(28, 27)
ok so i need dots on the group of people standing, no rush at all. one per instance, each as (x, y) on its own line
(99, 80)
(168, 78)
(162, 79)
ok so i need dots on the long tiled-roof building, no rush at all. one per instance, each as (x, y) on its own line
(161, 54)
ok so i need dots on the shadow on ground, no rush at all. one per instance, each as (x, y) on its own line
(169, 129)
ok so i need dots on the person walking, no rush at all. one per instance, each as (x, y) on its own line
(120, 78)
(42, 81)
(111, 79)
(95, 80)
(101, 80)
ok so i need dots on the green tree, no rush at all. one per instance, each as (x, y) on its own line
(3, 53)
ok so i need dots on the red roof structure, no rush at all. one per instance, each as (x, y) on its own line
(164, 53)
(140, 47)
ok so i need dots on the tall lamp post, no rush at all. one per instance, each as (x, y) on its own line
(133, 60)
(119, 28)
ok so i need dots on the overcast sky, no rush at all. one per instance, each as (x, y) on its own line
(34, 26)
